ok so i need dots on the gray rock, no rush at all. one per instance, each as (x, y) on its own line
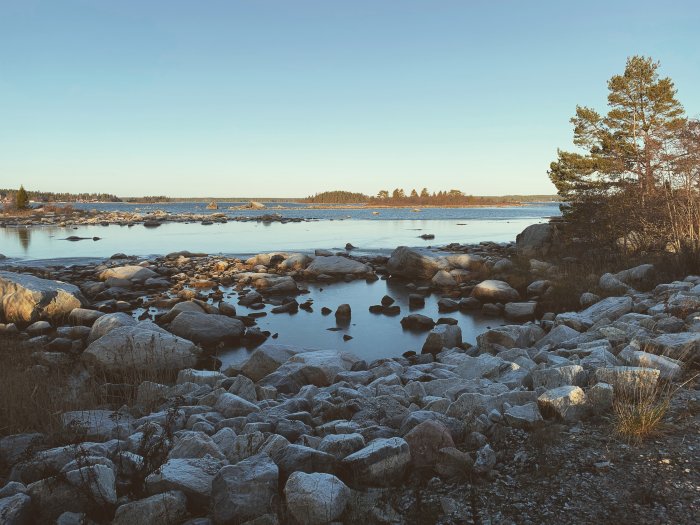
(15, 510)
(231, 405)
(493, 290)
(266, 359)
(316, 498)
(537, 240)
(520, 311)
(383, 462)
(208, 329)
(129, 347)
(84, 317)
(131, 273)
(601, 397)
(525, 417)
(337, 265)
(568, 403)
(97, 425)
(26, 298)
(442, 336)
(426, 440)
(244, 491)
(341, 445)
(108, 322)
(168, 508)
(560, 376)
(414, 264)
(629, 379)
(191, 476)
(667, 367)
(485, 460)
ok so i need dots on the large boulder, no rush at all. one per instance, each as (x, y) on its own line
(568, 403)
(537, 240)
(494, 291)
(207, 329)
(136, 347)
(610, 308)
(244, 491)
(193, 476)
(510, 336)
(414, 264)
(26, 298)
(640, 277)
(337, 265)
(316, 498)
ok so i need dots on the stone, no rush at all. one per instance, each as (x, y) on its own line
(520, 311)
(628, 379)
(244, 491)
(417, 322)
(130, 273)
(537, 240)
(128, 347)
(443, 279)
(341, 445)
(318, 367)
(383, 462)
(97, 425)
(453, 464)
(231, 405)
(493, 290)
(568, 403)
(414, 264)
(199, 377)
(168, 508)
(668, 368)
(683, 346)
(207, 329)
(300, 458)
(26, 298)
(612, 285)
(15, 510)
(525, 417)
(343, 313)
(84, 317)
(442, 336)
(601, 397)
(549, 378)
(14, 447)
(610, 308)
(588, 299)
(193, 444)
(337, 265)
(108, 322)
(485, 460)
(640, 277)
(316, 498)
(193, 476)
(266, 359)
(538, 288)
(510, 336)
(425, 441)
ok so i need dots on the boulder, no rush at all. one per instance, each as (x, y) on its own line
(425, 441)
(84, 317)
(510, 336)
(266, 359)
(108, 322)
(414, 264)
(525, 417)
(683, 346)
(207, 329)
(337, 265)
(537, 240)
(97, 425)
(230, 405)
(443, 279)
(316, 498)
(383, 462)
(568, 403)
(628, 379)
(493, 290)
(244, 491)
(667, 367)
(168, 508)
(129, 347)
(610, 308)
(640, 277)
(192, 476)
(15, 510)
(319, 367)
(129, 273)
(417, 322)
(26, 298)
(612, 285)
(442, 336)
(341, 445)
(560, 376)
(520, 311)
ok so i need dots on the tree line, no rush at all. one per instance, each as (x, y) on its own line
(399, 197)
(634, 182)
(7, 195)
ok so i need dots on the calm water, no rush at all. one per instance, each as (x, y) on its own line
(370, 233)
(373, 335)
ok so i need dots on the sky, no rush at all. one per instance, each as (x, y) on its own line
(286, 98)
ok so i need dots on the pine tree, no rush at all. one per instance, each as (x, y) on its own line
(21, 199)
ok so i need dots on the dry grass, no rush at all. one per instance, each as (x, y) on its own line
(639, 415)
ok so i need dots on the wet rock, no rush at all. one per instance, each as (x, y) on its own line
(343, 312)
(413, 264)
(337, 265)
(417, 322)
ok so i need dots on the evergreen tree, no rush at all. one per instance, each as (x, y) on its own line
(21, 199)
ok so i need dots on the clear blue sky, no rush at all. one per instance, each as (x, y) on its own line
(286, 98)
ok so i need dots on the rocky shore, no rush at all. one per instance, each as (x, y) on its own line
(293, 435)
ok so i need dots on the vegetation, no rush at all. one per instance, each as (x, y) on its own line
(635, 183)
(21, 199)
(47, 196)
(337, 197)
